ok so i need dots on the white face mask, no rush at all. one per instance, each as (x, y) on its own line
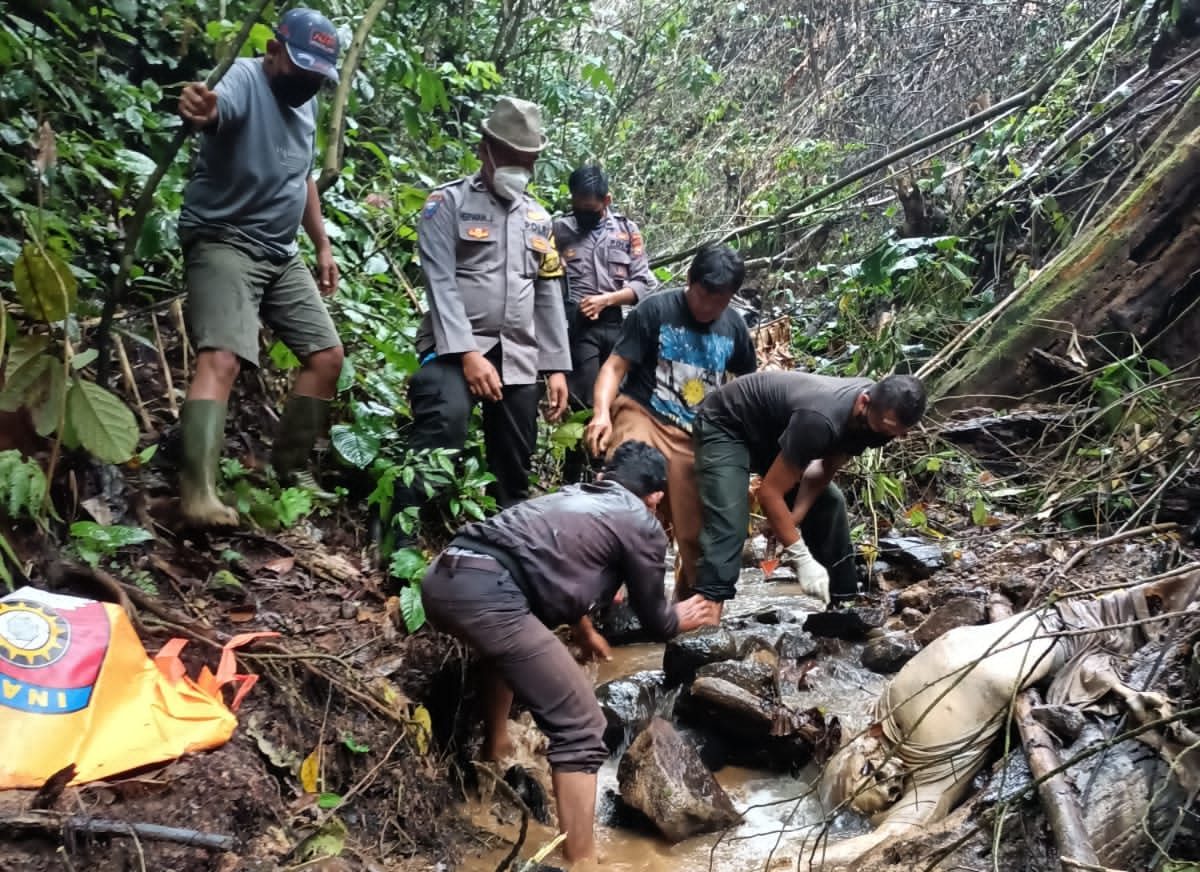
(510, 182)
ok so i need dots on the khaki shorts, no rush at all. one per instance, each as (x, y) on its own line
(228, 290)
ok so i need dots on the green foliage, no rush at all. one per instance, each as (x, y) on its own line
(22, 495)
(93, 542)
(22, 487)
(895, 306)
(411, 607)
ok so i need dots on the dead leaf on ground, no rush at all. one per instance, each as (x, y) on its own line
(99, 510)
(242, 614)
(280, 565)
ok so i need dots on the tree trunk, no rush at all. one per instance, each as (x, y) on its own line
(1130, 282)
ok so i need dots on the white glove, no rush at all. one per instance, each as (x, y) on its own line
(811, 575)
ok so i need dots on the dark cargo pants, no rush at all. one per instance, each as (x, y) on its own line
(441, 407)
(591, 344)
(723, 467)
(475, 599)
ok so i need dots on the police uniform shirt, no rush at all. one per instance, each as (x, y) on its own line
(606, 259)
(492, 276)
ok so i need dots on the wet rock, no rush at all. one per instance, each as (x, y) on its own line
(1064, 721)
(1019, 589)
(795, 644)
(711, 745)
(918, 596)
(688, 652)
(738, 708)
(629, 704)
(912, 618)
(614, 812)
(753, 676)
(531, 792)
(948, 593)
(887, 653)
(849, 623)
(961, 612)
(916, 557)
(663, 777)
(777, 616)
(617, 623)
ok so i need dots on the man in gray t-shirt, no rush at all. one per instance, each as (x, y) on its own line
(796, 430)
(251, 189)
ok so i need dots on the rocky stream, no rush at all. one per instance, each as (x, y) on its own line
(717, 737)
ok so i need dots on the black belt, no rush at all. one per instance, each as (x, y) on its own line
(482, 562)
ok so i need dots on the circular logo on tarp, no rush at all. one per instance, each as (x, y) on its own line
(31, 634)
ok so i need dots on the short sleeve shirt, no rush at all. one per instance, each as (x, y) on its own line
(250, 178)
(675, 361)
(797, 415)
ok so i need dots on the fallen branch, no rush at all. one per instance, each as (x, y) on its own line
(1059, 801)
(336, 148)
(137, 220)
(515, 798)
(49, 821)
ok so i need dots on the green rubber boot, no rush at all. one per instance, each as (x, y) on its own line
(203, 425)
(303, 420)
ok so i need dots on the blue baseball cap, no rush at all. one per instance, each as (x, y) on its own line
(311, 41)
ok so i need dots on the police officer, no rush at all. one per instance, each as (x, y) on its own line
(250, 191)
(606, 265)
(493, 280)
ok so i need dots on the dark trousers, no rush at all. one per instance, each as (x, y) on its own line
(441, 408)
(484, 607)
(591, 344)
(723, 467)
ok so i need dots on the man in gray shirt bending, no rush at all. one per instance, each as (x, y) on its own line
(796, 430)
(250, 191)
(504, 583)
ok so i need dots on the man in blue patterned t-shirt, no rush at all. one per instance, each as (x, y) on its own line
(674, 350)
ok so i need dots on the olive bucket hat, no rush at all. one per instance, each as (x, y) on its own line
(518, 124)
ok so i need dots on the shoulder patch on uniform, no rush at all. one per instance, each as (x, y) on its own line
(478, 232)
(432, 202)
(636, 245)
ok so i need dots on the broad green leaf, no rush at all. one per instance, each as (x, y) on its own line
(328, 801)
(346, 376)
(45, 286)
(22, 382)
(411, 607)
(46, 398)
(83, 359)
(282, 356)
(329, 841)
(293, 504)
(108, 538)
(357, 447)
(102, 423)
(407, 564)
(22, 350)
(135, 163)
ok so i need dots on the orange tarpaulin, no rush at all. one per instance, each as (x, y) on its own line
(76, 686)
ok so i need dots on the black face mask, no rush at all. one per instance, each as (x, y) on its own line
(588, 221)
(295, 90)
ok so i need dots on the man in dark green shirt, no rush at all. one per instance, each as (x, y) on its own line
(796, 430)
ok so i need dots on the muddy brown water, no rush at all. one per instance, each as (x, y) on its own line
(778, 809)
